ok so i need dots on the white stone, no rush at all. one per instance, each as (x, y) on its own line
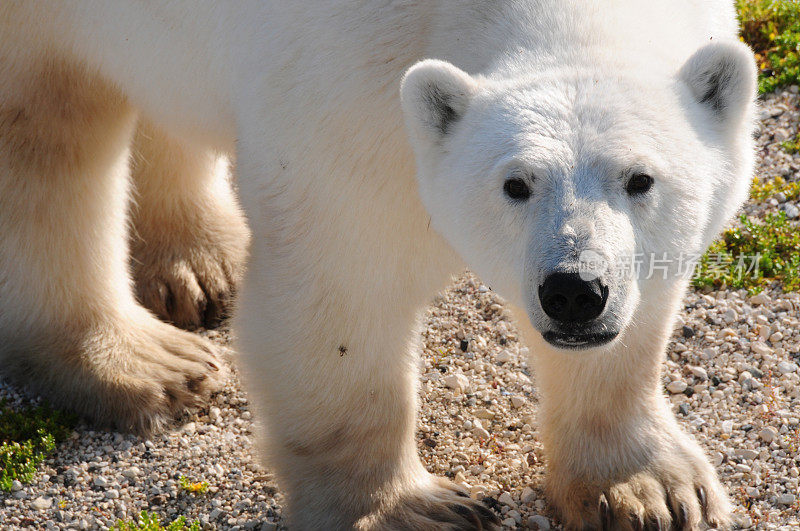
(761, 348)
(16, 486)
(678, 386)
(759, 298)
(729, 316)
(709, 353)
(41, 503)
(792, 212)
(746, 453)
(768, 434)
(518, 401)
(504, 356)
(214, 413)
(506, 499)
(538, 521)
(786, 499)
(786, 367)
(131, 473)
(528, 495)
(480, 433)
(456, 381)
(483, 413)
(100, 481)
(515, 515)
(700, 373)
(727, 426)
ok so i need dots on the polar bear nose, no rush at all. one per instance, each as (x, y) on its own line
(567, 298)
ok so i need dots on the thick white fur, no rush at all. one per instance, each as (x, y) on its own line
(344, 250)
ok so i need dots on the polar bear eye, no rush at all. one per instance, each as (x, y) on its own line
(516, 189)
(639, 183)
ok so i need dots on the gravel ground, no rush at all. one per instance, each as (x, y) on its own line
(732, 375)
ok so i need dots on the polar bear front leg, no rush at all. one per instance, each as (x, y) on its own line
(189, 242)
(330, 366)
(325, 333)
(617, 458)
(70, 327)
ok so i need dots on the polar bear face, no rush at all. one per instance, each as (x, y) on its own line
(578, 195)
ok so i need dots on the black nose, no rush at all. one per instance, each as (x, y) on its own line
(567, 298)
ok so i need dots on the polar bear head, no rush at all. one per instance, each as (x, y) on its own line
(584, 195)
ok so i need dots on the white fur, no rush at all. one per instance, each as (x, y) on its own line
(349, 241)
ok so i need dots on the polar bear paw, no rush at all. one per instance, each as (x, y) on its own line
(168, 372)
(187, 275)
(135, 376)
(681, 493)
(441, 506)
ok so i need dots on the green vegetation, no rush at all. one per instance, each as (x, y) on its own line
(753, 255)
(765, 190)
(151, 522)
(758, 253)
(791, 146)
(200, 487)
(772, 29)
(27, 437)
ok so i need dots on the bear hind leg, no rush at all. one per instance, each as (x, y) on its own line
(190, 237)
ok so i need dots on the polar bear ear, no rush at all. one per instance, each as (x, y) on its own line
(722, 76)
(435, 95)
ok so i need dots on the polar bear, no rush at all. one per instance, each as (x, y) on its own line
(379, 147)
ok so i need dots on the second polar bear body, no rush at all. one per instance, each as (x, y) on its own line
(348, 244)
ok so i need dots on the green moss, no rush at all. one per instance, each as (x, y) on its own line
(27, 437)
(753, 256)
(152, 522)
(772, 29)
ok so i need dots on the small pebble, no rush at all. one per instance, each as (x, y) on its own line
(538, 522)
(456, 381)
(504, 356)
(41, 503)
(768, 434)
(506, 499)
(786, 499)
(676, 387)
